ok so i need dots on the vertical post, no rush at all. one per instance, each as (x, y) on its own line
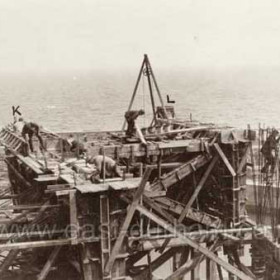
(150, 85)
(135, 89)
(90, 265)
(210, 269)
(195, 272)
(61, 148)
(105, 230)
(157, 88)
(150, 267)
(103, 165)
(230, 275)
(159, 163)
(74, 225)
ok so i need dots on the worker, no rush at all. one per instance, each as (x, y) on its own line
(111, 168)
(76, 146)
(28, 129)
(269, 150)
(130, 117)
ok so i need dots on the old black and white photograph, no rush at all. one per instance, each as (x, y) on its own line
(139, 140)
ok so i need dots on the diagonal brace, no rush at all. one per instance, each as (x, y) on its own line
(130, 213)
(224, 159)
(194, 195)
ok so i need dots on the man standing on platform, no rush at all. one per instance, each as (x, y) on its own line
(28, 129)
(131, 117)
(269, 150)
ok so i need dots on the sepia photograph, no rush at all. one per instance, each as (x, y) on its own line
(139, 140)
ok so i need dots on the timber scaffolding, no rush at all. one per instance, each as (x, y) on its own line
(182, 197)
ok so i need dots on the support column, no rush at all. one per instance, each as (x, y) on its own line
(91, 268)
(105, 232)
(210, 270)
(195, 273)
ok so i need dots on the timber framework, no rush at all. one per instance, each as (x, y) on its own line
(182, 198)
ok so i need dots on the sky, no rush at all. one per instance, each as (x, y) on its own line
(55, 35)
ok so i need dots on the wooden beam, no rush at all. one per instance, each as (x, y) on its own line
(180, 173)
(224, 159)
(156, 263)
(8, 261)
(44, 243)
(193, 214)
(158, 209)
(156, 86)
(48, 265)
(243, 160)
(26, 207)
(183, 130)
(74, 224)
(126, 223)
(132, 259)
(18, 174)
(193, 244)
(135, 89)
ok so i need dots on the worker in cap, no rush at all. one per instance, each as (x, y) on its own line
(269, 150)
(28, 130)
(131, 117)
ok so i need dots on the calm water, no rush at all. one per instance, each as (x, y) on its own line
(96, 101)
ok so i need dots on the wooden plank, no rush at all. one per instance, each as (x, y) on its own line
(193, 244)
(48, 265)
(184, 130)
(31, 163)
(126, 223)
(92, 188)
(158, 209)
(74, 224)
(193, 214)
(224, 159)
(26, 207)
(44, 243)
(18, 174)
(181, 172)
(127, 184)
(46, 179)
(105, 229)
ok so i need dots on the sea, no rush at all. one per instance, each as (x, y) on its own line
(97, 100)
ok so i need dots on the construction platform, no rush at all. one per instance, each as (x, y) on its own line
(181, 197)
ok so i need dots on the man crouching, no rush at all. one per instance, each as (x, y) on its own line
(106, 167)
